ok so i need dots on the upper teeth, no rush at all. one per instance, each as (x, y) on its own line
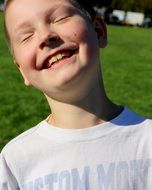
(56, 58)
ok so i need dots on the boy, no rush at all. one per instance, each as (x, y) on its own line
(88, 142)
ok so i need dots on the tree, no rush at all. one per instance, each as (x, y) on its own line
(143, 6)
(102, 3)
(123, 5)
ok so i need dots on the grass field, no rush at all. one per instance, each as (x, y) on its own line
(127, 71)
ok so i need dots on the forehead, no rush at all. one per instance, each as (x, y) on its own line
(30, 3)
(27, 6)
(7, 2)
(19, 11)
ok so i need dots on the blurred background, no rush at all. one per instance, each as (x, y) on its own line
(126, 65)
(129, 12)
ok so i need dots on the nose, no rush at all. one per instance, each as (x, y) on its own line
(48, 38)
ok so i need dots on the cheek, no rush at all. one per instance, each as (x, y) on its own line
(25, 57)
(81, 33)
(77, 30)
(87, 41)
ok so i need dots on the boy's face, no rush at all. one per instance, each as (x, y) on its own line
(55, 47)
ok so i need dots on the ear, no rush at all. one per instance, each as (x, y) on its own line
(101, 30)
(26, 82)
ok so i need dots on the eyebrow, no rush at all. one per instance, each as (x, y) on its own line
(22, 26)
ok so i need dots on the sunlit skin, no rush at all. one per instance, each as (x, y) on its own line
(40, 30)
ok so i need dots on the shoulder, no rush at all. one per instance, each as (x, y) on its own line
(18, 143)
(129, 120)
(129, 117)
(140, 124)
(146, 128)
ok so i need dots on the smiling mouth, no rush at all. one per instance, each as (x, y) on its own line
(58, 57)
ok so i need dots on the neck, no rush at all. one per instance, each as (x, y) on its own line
(92, 110)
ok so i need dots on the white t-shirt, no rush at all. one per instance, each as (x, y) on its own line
(115, 155)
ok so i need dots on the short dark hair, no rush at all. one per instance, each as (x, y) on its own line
(86, 6)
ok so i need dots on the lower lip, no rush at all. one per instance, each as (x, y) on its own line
(63, 62)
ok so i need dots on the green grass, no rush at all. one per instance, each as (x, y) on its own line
(127, 70)
(127, 67)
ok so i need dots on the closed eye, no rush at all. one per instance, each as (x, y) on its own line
(62, 14)
(26, 37)
(61, 19)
